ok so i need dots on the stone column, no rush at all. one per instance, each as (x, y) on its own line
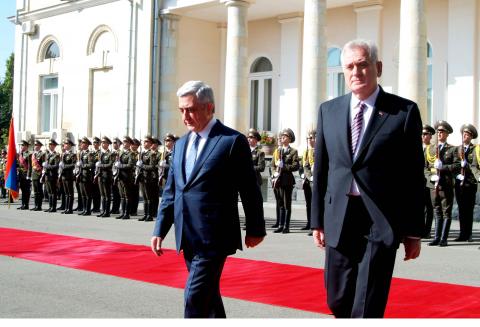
(168, 115)
(412, 66)
(314, 66)
(236, 108)
(220, 94)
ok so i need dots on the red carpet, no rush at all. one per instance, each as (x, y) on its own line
(256, 281)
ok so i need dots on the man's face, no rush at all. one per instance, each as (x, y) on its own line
(24, 148)
(360, 72)
(252, 141)
(285, 140)
(195, 115)
(116, 145)
(104, 145)
(126, 145)
(37, 147)
(147, 144)
(52, 147)
(154, 146)
(66, 146)
(134, 147)
(467, 138)
(169, 143)
(442, 136)
(96, 145)
(311, 141)
(83, 146)
(426, 137)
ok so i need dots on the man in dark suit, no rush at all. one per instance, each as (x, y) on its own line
(211, 165)
(368, 186)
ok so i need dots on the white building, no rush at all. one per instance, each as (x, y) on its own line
(111, 67)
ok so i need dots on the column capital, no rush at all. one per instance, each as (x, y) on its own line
(291, 17)
(368, 6)
(169, 16)
(237, 3)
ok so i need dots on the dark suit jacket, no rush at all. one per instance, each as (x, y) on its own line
(388, 169)
(204, 209)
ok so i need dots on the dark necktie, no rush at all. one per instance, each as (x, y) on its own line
(191, 156)
(357, 125)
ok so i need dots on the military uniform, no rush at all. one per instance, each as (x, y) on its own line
(149, 172)
(284, 165)
(104, 177)
(50, 168)
(115, 191)
(428, 212)
(125, 165)
(3, 166)
(67, 164)
(96, 190)
(136, 187)
(24, 162)
(308, 160)
(36, 169)
(442, 180)
(465, 184)
(258, 156)
(86, 165)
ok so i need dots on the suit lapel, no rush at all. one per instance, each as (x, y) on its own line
(180, 148)
(344, 116)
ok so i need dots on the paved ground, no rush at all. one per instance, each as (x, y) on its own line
(36, 290)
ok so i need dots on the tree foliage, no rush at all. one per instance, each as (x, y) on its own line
(6, 100)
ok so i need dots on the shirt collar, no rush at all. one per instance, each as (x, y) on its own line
(206, 131)
(370, 101)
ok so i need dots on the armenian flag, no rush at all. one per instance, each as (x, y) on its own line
(11, 182)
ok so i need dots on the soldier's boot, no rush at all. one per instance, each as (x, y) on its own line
(84, 207)
(152, 212)
(25, 201)
(286, 227)
(438, 232)
(282, 221)
(445, 231)
(128, 209)
(103, 208)
(107, 209)
(62, 204)
(49, 204)
(145, 211)
(38, 202)
(277, 223)
(68, 205)
(96, 203)
(79, 204)
(124, 206)
(54, 204)
(35, 201)
(88, 208)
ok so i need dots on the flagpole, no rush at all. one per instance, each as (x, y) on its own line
(8, 199)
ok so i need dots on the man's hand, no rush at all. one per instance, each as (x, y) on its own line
(319, 238)
(156, 245)
(412, 248)
(253, 241)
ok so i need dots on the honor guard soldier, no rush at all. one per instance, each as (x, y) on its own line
(273, 175)
(167, 155)
(24, 163)
(308, 160)
(136, 187)
(36, 168)
(104, 176)
(427, 133)
(65, 172)
(50, 175)
(115, 191)
(286, 164)
(465, 182)
(441, 176)
(3, 166)
(125, 165)
(148, 164)
(139, 178)
(86, 166)
(258, 156)
(96, 190)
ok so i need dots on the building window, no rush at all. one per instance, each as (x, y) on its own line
(52, 51)
(49, 103)
(335, 77)
(429, 81)
(261, 94)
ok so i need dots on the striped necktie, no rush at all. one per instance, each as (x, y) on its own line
(191, 156)
(356, 127)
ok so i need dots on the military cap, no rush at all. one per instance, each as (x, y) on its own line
(252, 132)
(86, 140)
(68, 141)
(442, 125)
(136, 141)
(127, 139)
(96, 140)
(107, 140)
(4, 151)
(311, 134)
(117, 140)
(52, 141)
(155, 140)
(23, 142)
(469, 128)
(428, 129)
(288, 132)
(148, 138)
(169, 136)
(37, 142)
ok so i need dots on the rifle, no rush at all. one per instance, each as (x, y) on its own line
(161, 168)
(78, 168)
(278, 171)
(462, 157)
(307, 161)
(138, 170)
(60, 169)
(437, 155)
(115, 170)
(97, 171)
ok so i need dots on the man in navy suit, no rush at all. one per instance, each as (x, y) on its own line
(368, 186)
(211, 165)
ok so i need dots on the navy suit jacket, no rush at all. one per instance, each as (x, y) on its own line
(204, 208)
(388, 169)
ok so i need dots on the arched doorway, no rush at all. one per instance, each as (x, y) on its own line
(261, 94)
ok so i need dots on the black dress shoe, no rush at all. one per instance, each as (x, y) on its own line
(285, 231)
(149, 219)
(310, 233)
(305, 228)
(274, 226)
(434, 243)
(126, 217)
(278, 230)
(68, 212)
(470, 239)
(460, 239)
(105, 216)
(36, 209)
(48, 210)
(443, 243)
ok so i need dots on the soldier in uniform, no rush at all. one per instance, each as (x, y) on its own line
(115, 191)
(276, 190)
(24, 162)
(86, 166)
(465, 182)
(308, 160)
(258, 156)
(149, 170)
(166, 157)
(286, 164)
(36, 168)
(76, 171)
(166, 154)
(65, 172)
(125, 164)
(443, 157)
(136, 189)
(104, 176)
(3, 166)
(427, 133)
(50, 172)
(96, 190)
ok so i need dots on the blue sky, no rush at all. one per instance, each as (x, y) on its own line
(7, 33)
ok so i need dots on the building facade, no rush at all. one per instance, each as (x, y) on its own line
(111, 67)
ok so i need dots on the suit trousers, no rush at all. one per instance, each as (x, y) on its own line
(358, 272)
(202, 292)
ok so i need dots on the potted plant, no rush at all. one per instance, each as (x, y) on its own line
(267, 141)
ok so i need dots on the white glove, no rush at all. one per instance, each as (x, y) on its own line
(311, 178)
(97, 164)
(78, 164)
(117, 164)
(302, 176)
(44, 164)
(139, 163)
(438, 164)
(163, 163)
(61, 164)
(275, 174)
(434, 178)
(28, 178)
(280, 163)
(464, 163)
(460, 177)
